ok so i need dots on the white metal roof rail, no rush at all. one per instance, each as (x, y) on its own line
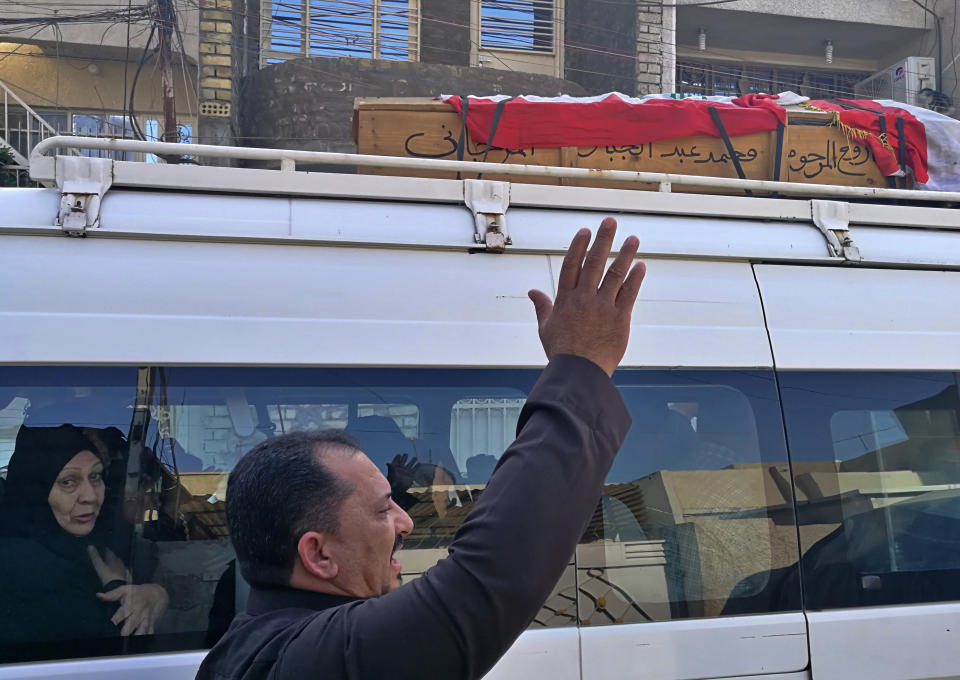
(40, 170)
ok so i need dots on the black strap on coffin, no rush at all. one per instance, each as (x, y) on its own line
(901, 146)
(726, 141)
(497, 113)
(778, 158)
(462, 144)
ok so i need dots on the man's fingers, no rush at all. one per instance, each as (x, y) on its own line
(542, 303)
(596, 260)
(618, 270)
(573, 261)
(631, 286)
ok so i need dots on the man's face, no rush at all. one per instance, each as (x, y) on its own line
(371, 526)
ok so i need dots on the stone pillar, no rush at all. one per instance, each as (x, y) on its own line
(650, 43)
(216, 75)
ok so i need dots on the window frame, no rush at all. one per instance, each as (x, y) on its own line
(788, 77)
(547, 62)
(269, 54)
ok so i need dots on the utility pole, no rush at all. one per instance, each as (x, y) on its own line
(167, 15)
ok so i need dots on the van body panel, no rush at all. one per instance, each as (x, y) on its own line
(904, 643)
(696, 313)
(827, 318)
(181, 666)
(696, 648)
(246, 304)
(357, 270)
(553, 654)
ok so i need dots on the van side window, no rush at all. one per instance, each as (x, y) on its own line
(876, 463)
(696, 518)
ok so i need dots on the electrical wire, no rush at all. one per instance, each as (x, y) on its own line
(134, 125)
(241, 45)
(936, 18)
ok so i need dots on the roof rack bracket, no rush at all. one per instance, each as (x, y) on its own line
(488, 201)
(832, 218)
(83, 182)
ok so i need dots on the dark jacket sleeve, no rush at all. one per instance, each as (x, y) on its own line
(460, 616)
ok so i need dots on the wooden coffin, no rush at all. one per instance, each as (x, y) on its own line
(813, 152)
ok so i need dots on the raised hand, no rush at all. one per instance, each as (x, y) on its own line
(591, 315)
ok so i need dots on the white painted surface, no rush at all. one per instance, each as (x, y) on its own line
(550, 654)
(927, 247)
(28, 207)
(696, 648)
(149, 667)
(830, 318)
(157, 302)
(696, 314)
(886, 643)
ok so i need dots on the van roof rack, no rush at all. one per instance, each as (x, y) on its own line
(43, 168)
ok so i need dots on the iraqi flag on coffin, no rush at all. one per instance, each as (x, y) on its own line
(615, 119)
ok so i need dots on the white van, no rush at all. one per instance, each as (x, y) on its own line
(786, 505)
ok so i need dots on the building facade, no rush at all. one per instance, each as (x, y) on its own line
(73, 67)
(286, 72)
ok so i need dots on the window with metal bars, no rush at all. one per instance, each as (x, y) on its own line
(374, 29)
(740, 79)
(517, 24)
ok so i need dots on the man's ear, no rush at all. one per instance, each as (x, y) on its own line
(314, 556)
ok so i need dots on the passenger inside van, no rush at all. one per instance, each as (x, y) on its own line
(56, 538)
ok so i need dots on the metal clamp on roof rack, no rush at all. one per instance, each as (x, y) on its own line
(832, 218)
(488, 201)
(82, 182)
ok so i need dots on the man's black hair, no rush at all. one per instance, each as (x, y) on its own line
(277, 492)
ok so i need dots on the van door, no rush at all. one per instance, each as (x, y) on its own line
(687, 569)
(867, 362)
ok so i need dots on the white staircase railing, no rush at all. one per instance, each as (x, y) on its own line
(22, 129)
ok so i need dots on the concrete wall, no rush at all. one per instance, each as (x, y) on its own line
(900, 13)
(445, 32)
(600, 44)
(308, 103)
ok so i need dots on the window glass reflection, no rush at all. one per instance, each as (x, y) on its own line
(877, 474)
(696, 513)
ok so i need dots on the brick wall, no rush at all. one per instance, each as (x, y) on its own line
(217, 74)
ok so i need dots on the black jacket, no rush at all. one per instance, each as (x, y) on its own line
(460, 616)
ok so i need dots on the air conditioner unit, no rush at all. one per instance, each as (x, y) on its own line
(900, 82)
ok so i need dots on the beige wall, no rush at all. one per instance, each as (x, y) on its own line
(45, 82)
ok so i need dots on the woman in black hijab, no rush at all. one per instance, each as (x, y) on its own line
(58, 581)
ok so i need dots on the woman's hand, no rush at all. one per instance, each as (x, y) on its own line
(109, 567)
(140, 607)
